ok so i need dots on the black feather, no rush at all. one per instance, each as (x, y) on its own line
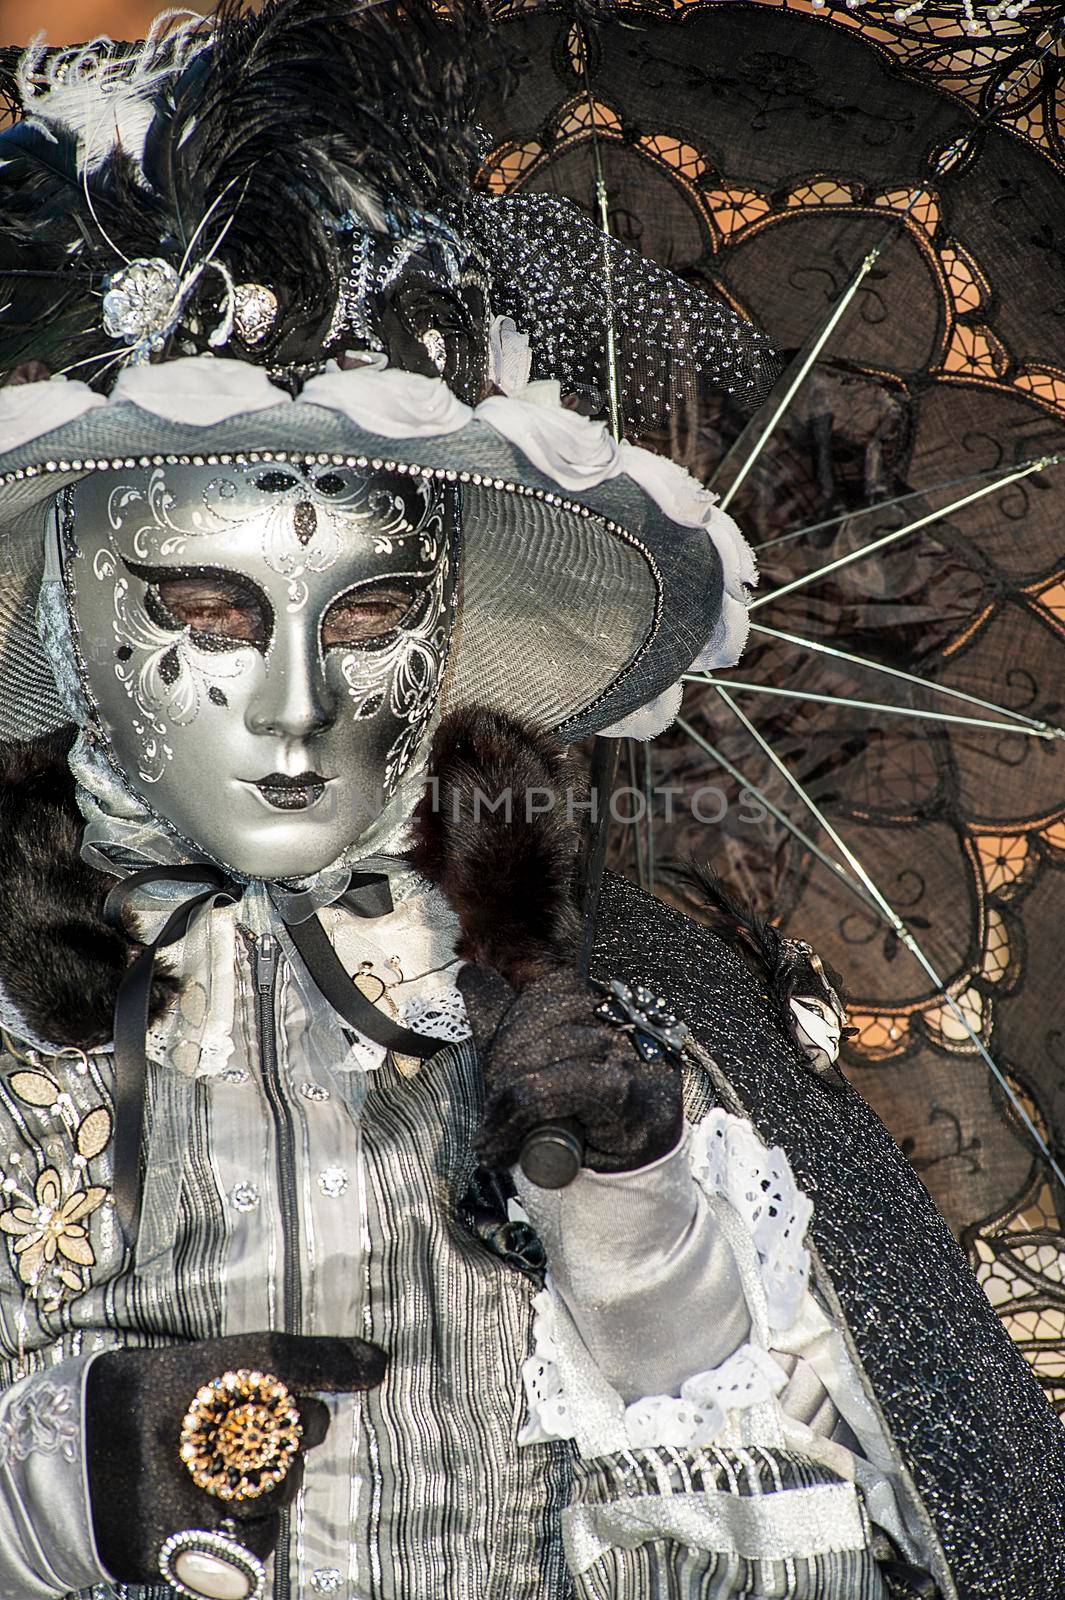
(734, 918)
(297, 116)
(789, 968)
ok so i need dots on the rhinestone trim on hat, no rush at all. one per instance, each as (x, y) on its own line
(335, 459)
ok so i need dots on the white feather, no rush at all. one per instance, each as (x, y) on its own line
(101, 95)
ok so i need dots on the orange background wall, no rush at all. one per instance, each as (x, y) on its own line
(71, 21)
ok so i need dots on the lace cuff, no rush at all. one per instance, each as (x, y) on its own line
(730, 1162)
(755, 1196)
(749, 1377)
(439, 1014)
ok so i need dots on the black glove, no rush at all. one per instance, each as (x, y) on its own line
(546, 1056)
(141, 1491)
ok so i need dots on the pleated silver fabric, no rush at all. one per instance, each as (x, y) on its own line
(421, 1490)
(450, 1505)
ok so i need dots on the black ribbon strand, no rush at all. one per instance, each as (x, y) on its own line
(368, 895)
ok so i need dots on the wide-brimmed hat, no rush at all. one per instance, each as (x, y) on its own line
(255, 237)
(593, 573)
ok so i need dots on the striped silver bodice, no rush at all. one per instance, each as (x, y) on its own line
(288, 1193)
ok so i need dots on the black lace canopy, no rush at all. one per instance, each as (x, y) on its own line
(761, 152)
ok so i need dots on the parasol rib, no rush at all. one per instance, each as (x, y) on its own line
(901, 533)
(819, 647)
(807, 357)
(805, 364)
(864, 705)
(648, 789)
(878, 505)
(901, 931)
(781, 816)
(636, 788)
(613, 381)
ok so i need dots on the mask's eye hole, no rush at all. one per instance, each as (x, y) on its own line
(367, 615)
(213, 607)
(820, 1008)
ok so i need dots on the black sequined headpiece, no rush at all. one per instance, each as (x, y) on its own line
(294, 184)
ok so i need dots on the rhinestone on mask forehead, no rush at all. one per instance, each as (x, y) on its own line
(310, 498)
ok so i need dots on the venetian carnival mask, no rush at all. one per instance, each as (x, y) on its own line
(262, 645)
(819, 1014)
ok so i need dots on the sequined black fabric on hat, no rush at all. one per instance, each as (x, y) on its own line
(545, 260)
(984, 1449)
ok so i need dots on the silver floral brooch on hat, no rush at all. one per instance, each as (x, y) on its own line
(144, 304)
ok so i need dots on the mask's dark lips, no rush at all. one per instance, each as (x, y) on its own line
(291, 793)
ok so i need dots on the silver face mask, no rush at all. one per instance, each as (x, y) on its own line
(262, 645)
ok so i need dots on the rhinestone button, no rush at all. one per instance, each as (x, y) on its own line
(315, 1092)
(325, 1579)
(235, 1075)
(244, 1197)
(333, 1181)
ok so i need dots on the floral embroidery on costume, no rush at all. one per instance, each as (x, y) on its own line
(46, 1216)
(49, 1227)
(44, 1420)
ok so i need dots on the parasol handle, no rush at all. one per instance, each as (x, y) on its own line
(553, 1153)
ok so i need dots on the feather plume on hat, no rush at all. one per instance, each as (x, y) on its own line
(256, 141)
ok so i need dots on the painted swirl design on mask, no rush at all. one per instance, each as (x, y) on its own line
(168, 684)
(405, 674)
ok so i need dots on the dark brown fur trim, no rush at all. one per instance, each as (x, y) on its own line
(59, 961)
(507, 872)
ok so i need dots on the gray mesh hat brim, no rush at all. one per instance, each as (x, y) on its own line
(577, 606)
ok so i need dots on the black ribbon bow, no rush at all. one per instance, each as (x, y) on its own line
(368, 895)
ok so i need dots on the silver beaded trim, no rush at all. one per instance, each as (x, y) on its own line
(380, 464)
(219, 1545)
(254, 457)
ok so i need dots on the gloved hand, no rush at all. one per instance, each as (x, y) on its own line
(545, 1055)
(140, 1489)
(508, 873)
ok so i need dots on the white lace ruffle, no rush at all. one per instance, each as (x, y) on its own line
(729, 1162)
(748, 1378)
(548, 1415)
(440, 1014)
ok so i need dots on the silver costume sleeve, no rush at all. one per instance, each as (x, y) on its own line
(645, 1272)
(47, 1547)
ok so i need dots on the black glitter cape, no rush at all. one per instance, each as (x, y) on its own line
(983, 1447)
